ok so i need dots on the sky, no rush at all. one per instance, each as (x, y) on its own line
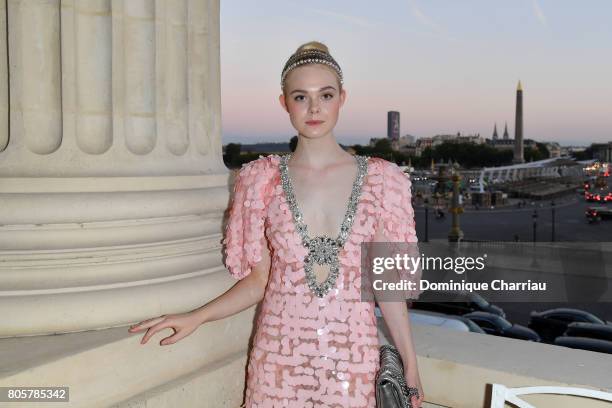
(447, 66)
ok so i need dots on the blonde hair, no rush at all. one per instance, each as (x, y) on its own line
(313, 45)
(316, 45)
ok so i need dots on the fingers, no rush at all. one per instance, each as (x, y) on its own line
(153, 330)
(417, 401)
(153, 325)
(145, 324)
(171, 340)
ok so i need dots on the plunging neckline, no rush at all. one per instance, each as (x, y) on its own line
(351, 207)
(322, 249)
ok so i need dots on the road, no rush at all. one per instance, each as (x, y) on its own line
(503, 223)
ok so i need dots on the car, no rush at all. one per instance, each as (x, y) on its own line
(425, 318)
(455, 303)
(498, 326)
(590, 330)
(601, 195)
(592, 215)
(598, 212)
(552, 323)
(473, 327)
(584, 343)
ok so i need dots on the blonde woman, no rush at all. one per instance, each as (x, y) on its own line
(293, 241)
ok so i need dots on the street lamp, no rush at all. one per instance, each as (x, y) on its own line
(552, 206)
(426, 202)
(535, 223)
(455, 234)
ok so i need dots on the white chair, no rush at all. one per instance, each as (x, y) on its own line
(501, 394)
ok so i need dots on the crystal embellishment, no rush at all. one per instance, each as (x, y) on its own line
(323, 250)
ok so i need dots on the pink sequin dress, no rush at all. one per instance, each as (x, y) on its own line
(310, 351)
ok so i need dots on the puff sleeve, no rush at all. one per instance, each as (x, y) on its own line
(396, 222)
(245, 229)
(397, 215)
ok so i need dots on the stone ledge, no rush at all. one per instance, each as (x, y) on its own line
(457, 368)
(110, 368)
(216, 385)
(106, 367)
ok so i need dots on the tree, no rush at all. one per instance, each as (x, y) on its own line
(586, 154)
(232, 154)
(545, 154)
(293, 143)
(383, 146)
(468, 155)
(539, 153)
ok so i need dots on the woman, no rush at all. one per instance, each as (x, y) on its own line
(293, 240)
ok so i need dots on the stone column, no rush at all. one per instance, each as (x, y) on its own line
(518, 127)
(112, 184)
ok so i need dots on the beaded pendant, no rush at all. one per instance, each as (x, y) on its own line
(323, 250)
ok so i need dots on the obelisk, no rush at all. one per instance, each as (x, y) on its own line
(518, 127)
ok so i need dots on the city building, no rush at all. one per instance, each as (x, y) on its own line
(457, 138)
(501, 144)
(477, 139)
(508, 144)
(602, 151)
(423, 143)
(554, 149)
(393, 125)
(506, 137)
(407, 140)
(405, 144)
(569, 150)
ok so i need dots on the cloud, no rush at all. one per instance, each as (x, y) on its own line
(416, 11)
(429, 22)
(345, 17)
(537, 10)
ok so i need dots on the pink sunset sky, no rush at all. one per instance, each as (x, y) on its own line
(447, 66)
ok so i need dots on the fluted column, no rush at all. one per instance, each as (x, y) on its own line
(87, 57)
(112, 185)
(4, 92)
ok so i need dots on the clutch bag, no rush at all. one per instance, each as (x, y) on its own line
(391, 388)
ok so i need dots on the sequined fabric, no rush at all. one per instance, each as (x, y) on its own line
(310, 351)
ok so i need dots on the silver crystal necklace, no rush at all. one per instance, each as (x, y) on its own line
(322, 249)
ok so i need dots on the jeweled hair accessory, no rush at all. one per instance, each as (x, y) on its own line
(312, 56)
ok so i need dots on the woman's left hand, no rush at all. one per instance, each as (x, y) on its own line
(413, 380)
